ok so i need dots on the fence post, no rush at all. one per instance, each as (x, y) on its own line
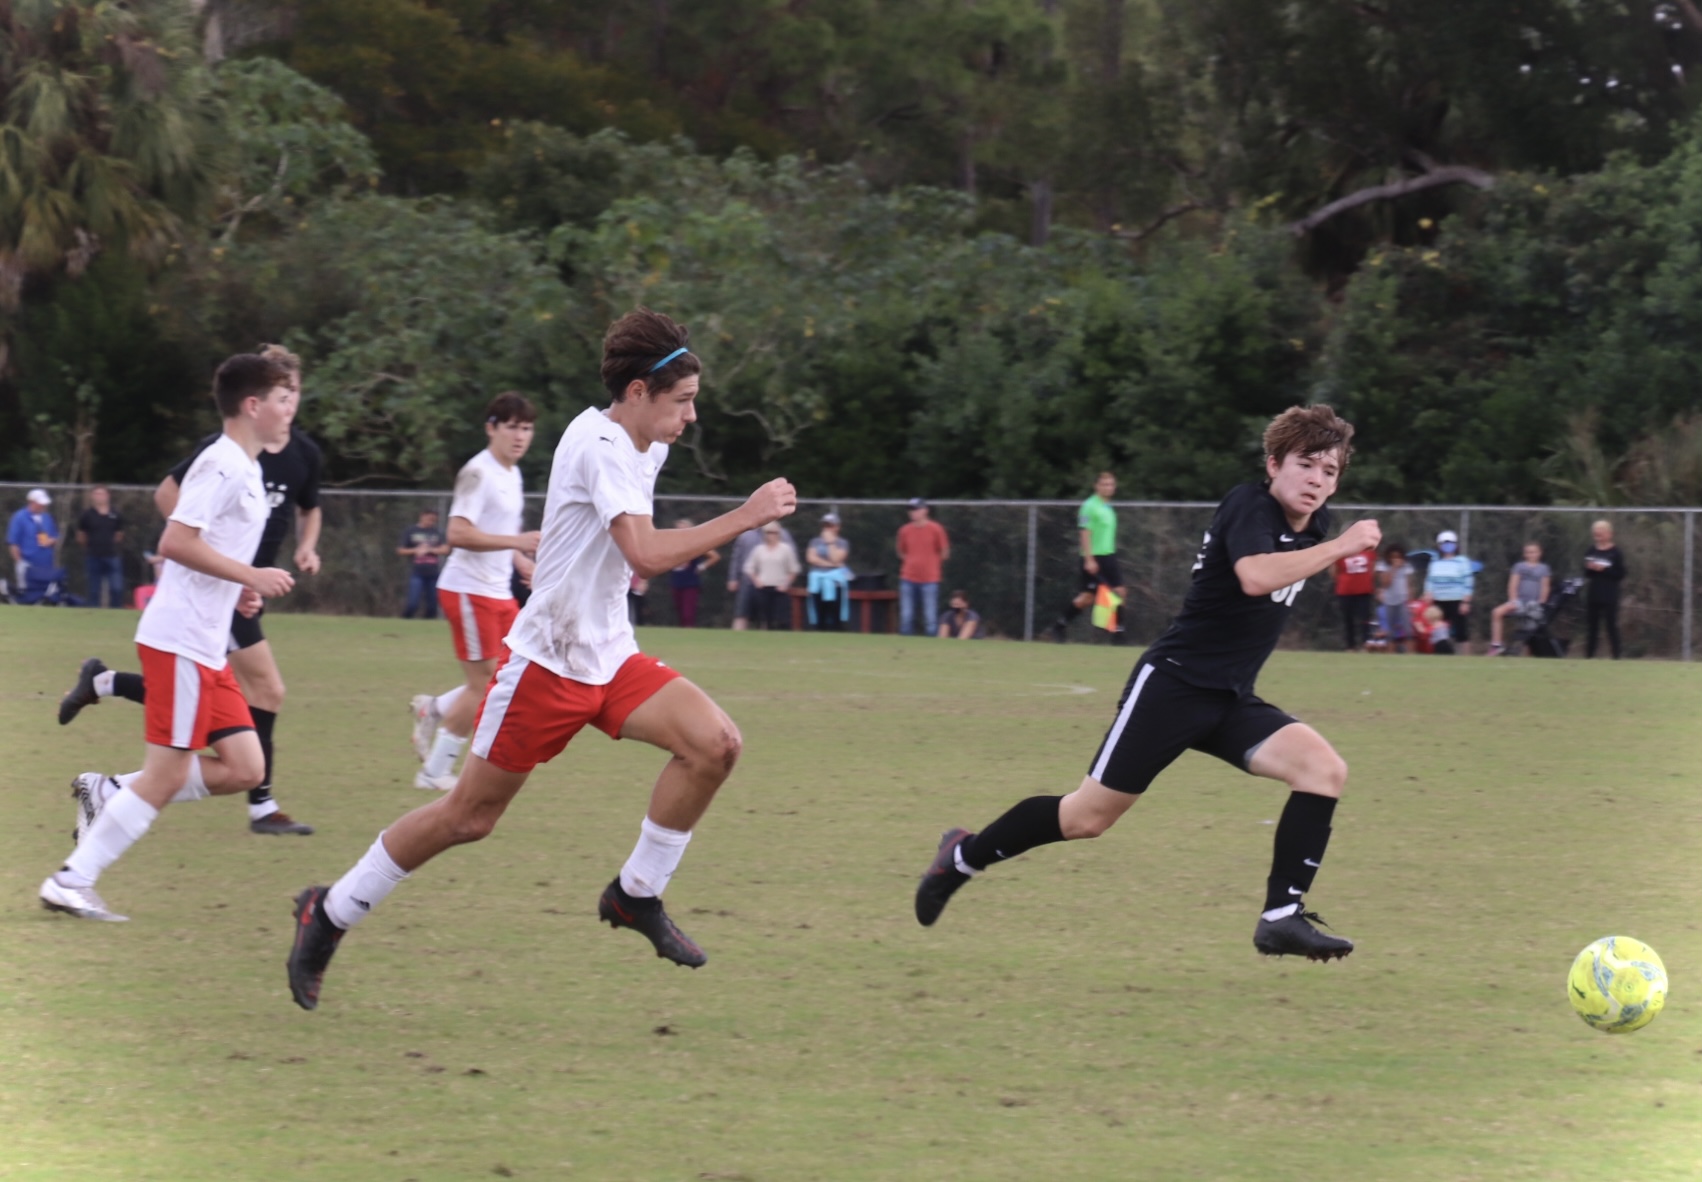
(1689, 577)
(1028, 601)
(1465, 532)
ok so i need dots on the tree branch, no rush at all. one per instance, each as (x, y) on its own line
(1453, 174)
(1158, 223)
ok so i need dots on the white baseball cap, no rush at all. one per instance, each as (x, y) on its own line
(39, 496)
(1447, 535)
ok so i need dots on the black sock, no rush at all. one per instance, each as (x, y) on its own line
(264, 720)
(129, 685)
(1301, 837)
(1029, 823)
(1070, 613)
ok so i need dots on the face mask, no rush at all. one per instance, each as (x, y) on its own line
(1448, 547)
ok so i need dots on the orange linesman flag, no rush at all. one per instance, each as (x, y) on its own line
(1105, 605)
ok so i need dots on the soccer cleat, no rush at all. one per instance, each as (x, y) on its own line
(621, 910)
(87, 789)
(1292, 935)
(426, 722)
(83, 693)
(79, 901)
(1058, 632)
(278, 824)
(434, 783)
(942, 878)
(316, 938)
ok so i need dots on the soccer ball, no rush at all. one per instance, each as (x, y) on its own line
(1617, 984)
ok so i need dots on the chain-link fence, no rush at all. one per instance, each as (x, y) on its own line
(1016, 560)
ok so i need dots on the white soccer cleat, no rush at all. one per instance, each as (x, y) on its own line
(426, 722)
(81, 902)
(435, 783)
(89, 791)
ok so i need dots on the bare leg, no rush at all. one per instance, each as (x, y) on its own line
(705, 744)
(468, 813)
(1092, 809)
(459, 719)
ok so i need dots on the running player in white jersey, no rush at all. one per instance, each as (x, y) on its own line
(475, 589)
(573, 660)
(184, 634)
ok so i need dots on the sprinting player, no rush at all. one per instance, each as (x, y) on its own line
(1194, 689)
(183, 636)
(1096, 527)
(476, 586)
(291, 473)
(572, 660)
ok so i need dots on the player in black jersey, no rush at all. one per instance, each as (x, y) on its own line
(1194, 689)
(291, 475)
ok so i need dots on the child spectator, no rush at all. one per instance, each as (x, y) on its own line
(1438, 635)
(686, 581)
(960, 621)
(1527, 586)
(1394, 582)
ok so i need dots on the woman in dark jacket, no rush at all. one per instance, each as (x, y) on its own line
(1604, 570)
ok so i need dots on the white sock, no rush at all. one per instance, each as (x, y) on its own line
(446, 701)
(194, 787)
(125, 780)
(444, 752)
(364, 887)
(654, 860)
(103, 684)
(259, 812)
(119, 826)
(962, 866)
(1283, 912)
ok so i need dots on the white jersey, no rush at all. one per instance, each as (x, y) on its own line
(575, 624)
(493, 499)
(223, 496)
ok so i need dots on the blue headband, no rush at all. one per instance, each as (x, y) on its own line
(668, 358)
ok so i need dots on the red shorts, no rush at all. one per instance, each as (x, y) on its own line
(529, 713)
(187, 702)
(478, 623)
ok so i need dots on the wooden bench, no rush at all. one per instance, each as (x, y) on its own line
(861, 601)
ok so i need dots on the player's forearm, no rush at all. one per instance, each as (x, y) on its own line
(653, 552)
(464, 536)
(1261, 574)
(308, 523)
(187, 547)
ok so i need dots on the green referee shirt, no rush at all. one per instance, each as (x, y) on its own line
(1100, 521)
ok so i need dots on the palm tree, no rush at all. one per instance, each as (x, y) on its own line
(110, 134)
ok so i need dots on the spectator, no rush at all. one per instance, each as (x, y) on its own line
(829, 577)
(1448, 585)
(1527, 585)
(423, 543)
(960, 622)
(1604, 571)
(739, 584)
(771, 567)
(1438, 635)
(33, 538)
(1356, 579)
(923, 549)
(100, 531)
(1394, 591)
(686, 581)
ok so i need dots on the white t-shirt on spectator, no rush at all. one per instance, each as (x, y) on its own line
(575, 624)
(224, 497)
(493, 499)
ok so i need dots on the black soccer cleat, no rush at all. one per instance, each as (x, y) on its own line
(942, 878)
(279, 823)
(621, 910)
(83, 693)
(316, 939)
(1293, 935)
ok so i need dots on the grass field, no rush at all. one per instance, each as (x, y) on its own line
(1090, 1011)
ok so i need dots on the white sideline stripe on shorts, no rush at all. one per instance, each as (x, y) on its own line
(470, 627)
(185, 700)
(497, 698)
(1111, 739)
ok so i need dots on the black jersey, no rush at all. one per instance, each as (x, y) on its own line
(1222, 636)
(292, 481)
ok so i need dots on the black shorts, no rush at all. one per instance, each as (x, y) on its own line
(1109, 574)
(1459, 623)
(245, 631)
(1160, 716)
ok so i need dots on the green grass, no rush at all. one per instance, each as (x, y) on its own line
(1090, 1011)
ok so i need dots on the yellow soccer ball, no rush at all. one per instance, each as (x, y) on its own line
(1617, 984)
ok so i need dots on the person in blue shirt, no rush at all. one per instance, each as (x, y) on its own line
(33, 538)
(1448, 585)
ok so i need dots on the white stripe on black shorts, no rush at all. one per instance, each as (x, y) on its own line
(1160, 716)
